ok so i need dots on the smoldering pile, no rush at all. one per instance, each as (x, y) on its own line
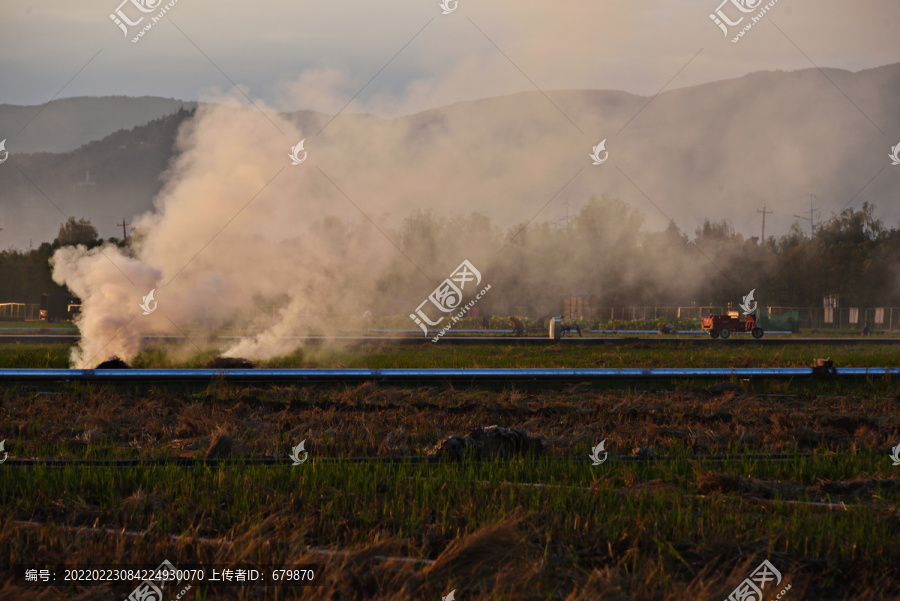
(113, 363)
(490, 442)
(229, 363)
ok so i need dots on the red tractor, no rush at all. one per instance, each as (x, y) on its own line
(724, 325)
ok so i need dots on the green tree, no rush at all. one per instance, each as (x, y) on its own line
(78, 231)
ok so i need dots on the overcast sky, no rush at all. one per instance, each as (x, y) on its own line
(318, 53)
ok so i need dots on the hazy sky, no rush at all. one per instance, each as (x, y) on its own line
(328, 49)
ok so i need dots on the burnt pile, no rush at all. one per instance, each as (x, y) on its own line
(229, 363)
(490, 442)
(113, 363)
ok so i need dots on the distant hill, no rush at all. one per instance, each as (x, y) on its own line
(68, 123)
(719, 150)
(106, 180)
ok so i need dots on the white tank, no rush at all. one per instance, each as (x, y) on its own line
(555, 328)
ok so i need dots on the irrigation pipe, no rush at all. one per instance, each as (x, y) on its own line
(431, 375)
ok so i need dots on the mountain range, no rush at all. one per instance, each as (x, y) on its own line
(720, 150)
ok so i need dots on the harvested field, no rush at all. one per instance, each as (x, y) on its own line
(796, 473)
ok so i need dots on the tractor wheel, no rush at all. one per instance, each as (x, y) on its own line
(724, 333)
(714, 333)
(757, 332)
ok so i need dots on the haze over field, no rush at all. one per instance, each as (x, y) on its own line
(720, 150)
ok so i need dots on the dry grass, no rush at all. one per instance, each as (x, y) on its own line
(368, 420)
(633, 531)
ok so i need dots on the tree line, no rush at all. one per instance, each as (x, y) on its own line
(26, 275)
(603, 251)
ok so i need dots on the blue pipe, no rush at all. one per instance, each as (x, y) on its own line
(471, 375)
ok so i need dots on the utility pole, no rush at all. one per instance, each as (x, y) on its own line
(762, 241)
(124, 233)
(812, 223)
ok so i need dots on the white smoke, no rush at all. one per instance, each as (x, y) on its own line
(233, 237)
(100, 278)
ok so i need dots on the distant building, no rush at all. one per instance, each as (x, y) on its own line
(87, 181)
(581, 305)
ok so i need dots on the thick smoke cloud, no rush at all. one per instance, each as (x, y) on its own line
(241, 236)
(238, 233)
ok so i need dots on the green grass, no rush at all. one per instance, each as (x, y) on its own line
(19, 355)
(495, 355)
(11, 327)
(653, 509)
(584, 500)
